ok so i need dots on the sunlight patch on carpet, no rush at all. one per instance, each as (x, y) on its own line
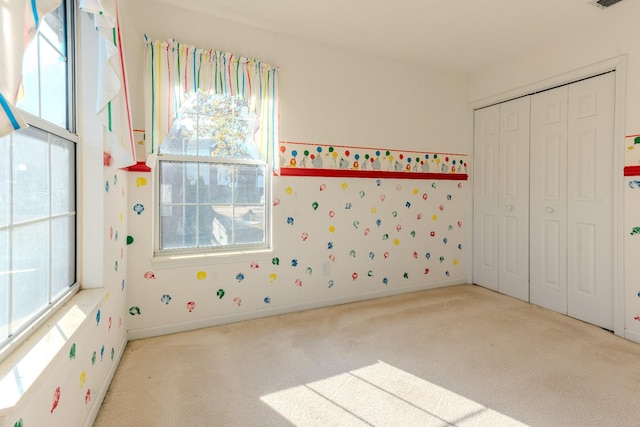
(380, 394)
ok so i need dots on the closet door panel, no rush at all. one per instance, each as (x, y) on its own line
(513, 201)
(548, 221)
(590, 200)
(485, 189)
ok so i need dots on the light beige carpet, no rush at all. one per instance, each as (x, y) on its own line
(462, 355)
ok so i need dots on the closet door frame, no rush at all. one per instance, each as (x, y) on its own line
(619, 65)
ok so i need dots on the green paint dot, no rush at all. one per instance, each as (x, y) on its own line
(19, 423)
(275, 261)
(129, 240)
(636, 140)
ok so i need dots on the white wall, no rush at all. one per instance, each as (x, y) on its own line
(613, 38)
(328, 96)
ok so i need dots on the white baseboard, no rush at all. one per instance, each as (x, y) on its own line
(97, 402)
(135, 334)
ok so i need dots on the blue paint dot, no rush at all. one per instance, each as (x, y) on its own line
(267, 300)
(239, 277)
(294, 262)
(98, 317)
(385, 281)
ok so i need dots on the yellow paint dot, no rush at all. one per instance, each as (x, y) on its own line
(373, 210)
(435, 217)
(390, 157)
(415, 191)
(83, 378)
(273, 277)
(344, 185)
(455, 262)
(141, 182)
(288, 190)
(396, 242)
(332, 229)
(121, 217)
(106, 295)
(438, 161)
(201, 275)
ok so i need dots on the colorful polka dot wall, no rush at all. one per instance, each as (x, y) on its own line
(332, 238)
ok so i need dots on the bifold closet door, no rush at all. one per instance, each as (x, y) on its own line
(571, 199)
(548, 215)
(501, 198)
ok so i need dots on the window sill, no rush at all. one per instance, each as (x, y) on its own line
(190, 260)
(28, 363)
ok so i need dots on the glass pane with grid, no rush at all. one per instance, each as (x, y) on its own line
(211, 205)
(37, 231)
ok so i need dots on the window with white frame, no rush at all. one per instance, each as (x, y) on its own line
(213, 181)
(37, 185)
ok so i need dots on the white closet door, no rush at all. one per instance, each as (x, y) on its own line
(549, 199)
(513, 201)
(590, 200)
(485, 197)
(501, 198)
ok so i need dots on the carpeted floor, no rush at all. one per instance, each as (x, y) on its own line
(462, 355)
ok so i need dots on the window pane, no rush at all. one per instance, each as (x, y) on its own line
(4, 285)
(171, 229)
(63, 257)
(44, 71)
(250, 184)
(5, 181)
(62, 176)
(53, 85)
(249, 224)
(53, 28)
(30, 77)
(213, 125)
(223, 225)
(30, 271)
(221, 183)
(30, 175)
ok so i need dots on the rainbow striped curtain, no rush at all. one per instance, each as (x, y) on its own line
(19, 21)
(113, 106)
(173, 69)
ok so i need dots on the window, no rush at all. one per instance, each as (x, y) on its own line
(37, 186)
(214, 185)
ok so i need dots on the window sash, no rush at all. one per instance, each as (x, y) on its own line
(162, 208)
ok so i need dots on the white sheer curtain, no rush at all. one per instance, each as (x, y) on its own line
(19, 21)
(173, 69)
(113, 107)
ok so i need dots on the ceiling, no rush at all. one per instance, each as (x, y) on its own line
(459, 36)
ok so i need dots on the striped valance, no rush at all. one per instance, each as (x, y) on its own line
(173, 70)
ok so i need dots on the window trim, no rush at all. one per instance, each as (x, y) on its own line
(194, 255)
